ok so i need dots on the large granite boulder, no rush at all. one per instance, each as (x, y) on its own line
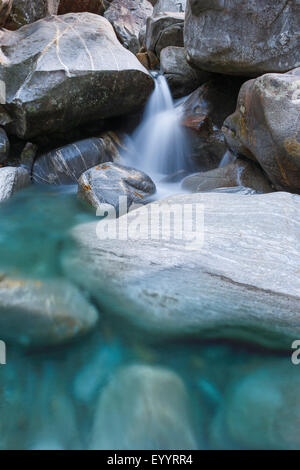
(203, 114)
(182, 78)
(11, 180)
(239, 173)
(70, 69)
(106, 183)
(163, 6)
(163, 31)
(143, 407)
(261, 408)
(65, 165)
(36, 312)
(5, 7)
(4, 146)
(232, 273)
(28, 11)
(242, 37)
(266, 127)
(128, 17)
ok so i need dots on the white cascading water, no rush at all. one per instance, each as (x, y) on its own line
(159, 146)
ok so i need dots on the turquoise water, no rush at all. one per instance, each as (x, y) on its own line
(49, 397)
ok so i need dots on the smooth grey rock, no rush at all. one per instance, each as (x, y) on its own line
(11, 180)
(242, 37)
(24, 12)
(65, 165)
(105, 183)
(163, 6)
(71, 69)
(266, 127)
(4, 146)
(182, 78)
(143, 407)
(203, 114)
(36, 312)
(5, 7)
(243, 282)
(128, 17)
(261, 409)
(163, 31)
(239, 173)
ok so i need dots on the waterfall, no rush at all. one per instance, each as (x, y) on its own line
(159, 146)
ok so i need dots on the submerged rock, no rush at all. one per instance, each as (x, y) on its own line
(221, 278)
(181, 77)
(35, 312)
(106, 183)
(24, 12)
(87, 75)
(163, 31)
(11, 180)
(242, 37)
(128, 17)
(4, 146)
(65, 165)
(5, 7)
(261, 409)
(239, 173)
(266, 127)
(145, 408)
(204, 112)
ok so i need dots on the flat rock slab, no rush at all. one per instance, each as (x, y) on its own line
(42, 313)
(70, 69)
(242, 283)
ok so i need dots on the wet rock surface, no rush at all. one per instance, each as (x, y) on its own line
(266, 127)
(241, 37)
(65, 165)
(12, 179)
(88, 76)
(182, 78)
(38, 312)
(203, 114)
(106, 183)
(238, 173)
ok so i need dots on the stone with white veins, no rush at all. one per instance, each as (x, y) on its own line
(64, 71)
(242, 283)
(65, 165)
